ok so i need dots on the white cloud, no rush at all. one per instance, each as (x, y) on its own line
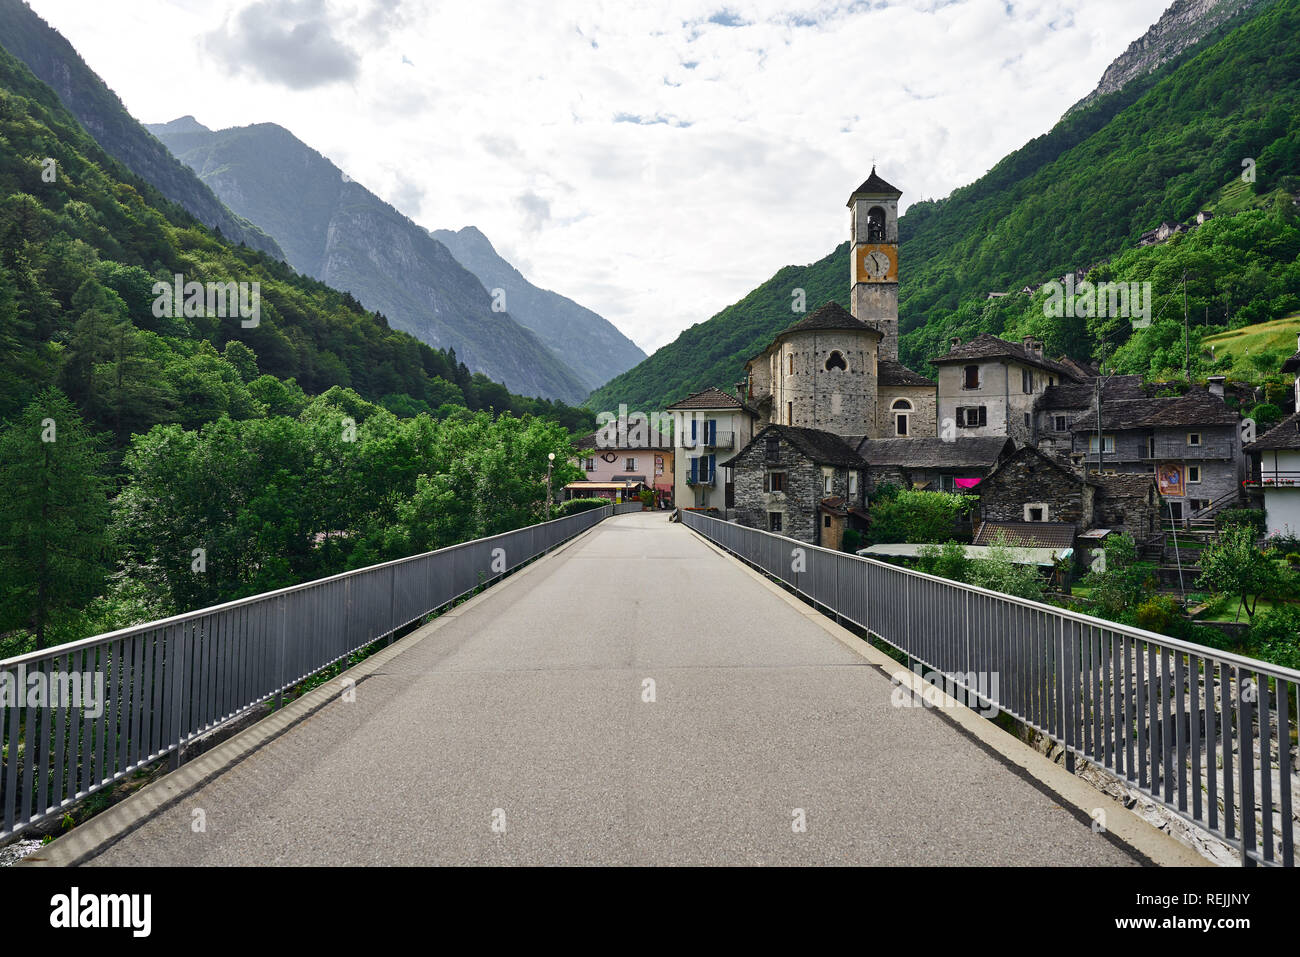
(518, 118)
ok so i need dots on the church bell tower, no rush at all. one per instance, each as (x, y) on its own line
(874, 259)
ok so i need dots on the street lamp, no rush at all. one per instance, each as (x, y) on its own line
(550, 461)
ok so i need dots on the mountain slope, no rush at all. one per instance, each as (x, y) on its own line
(79, 258)
(53, 60)
(1156, 149)
(1185, 23)
(587, 342)
(339, 232)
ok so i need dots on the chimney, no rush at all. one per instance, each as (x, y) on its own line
(954, 342)
(1215, 384)
(1038, 348)
(740, 391)
(1028, 343)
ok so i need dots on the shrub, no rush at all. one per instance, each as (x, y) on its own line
(1275, 636)
(1266, 415)
(1250, 517)
(918, 517)
(581, 505)
(852, 540)
(1160, 613)
(947, 561)
(647, 496)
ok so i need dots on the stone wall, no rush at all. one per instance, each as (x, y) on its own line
(842, 401)
(924, 414)
(1026, 479)
(798, 503)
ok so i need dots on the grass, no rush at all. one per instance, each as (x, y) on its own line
(1277, 338)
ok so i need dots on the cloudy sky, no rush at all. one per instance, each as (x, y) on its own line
(652, 160)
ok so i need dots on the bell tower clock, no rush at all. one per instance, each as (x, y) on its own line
(874, 259)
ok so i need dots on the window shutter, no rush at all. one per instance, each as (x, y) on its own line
(695, 467)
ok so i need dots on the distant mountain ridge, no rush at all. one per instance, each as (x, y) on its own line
(337, 231)
(590, 344)
(99, 110)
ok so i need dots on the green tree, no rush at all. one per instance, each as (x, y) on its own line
(1119, 581)
(1234, 565)
(54, 551)
(917, 517)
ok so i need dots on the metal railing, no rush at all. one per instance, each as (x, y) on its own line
(165, 683)
(1205, 733)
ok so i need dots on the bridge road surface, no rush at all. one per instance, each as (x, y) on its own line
(530, 702)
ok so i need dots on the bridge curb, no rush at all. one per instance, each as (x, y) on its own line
(92, 838)
(1122, 825)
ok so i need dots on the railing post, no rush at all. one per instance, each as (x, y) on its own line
(179, 682)
(1246, 765)
(281, 654)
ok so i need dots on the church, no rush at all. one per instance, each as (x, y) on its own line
(827, 387)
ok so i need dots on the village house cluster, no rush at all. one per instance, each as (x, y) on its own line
(1059, 453)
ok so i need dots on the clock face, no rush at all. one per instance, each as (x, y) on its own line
(876, 263)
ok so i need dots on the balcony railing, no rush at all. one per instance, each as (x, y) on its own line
(1274, 478)
(720, 440)
(702, 478)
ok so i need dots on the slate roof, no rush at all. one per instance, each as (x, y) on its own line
(1029, 451)
(1079, 395)
(873, 185)
(1196, 408)
(890, 372)
(933, 452)
(1026, 534)
(830, 316)
(1124, 484)
(985, 346)
(1283, 436)
(820, 448)
(712, 399)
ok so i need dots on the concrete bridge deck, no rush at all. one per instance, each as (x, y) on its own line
(524, 707)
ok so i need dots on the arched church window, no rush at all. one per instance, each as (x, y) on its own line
(902, 409)
(836, 361)
(875, 225)
(901, 404)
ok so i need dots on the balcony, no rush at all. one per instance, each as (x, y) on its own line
(715, 440)
(1274, 478)
(702, 478)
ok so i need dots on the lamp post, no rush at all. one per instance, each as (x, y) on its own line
(550, 461)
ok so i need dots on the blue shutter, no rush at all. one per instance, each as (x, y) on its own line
(712, 432)
(695, 466)
(694, 425)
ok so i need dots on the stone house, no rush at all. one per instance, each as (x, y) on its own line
(1060, 405)
(1191, 444)
(1275, 465)
(1126, 503)
(805, 484)
(931, 463)
(989, 386)
(1031, 486)
(707, 425)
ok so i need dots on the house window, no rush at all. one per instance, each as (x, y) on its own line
(774, 482)
(789, 413)
(1051, 380)
(826, 521)
(1036, 512)
(1194, 474)
(1194, 438)
(1107, 443)
(828, 480)
(774, 521)
(971, 377)
(773, 448)
(836, 361)
(853, 483)
(1197, 504)
(972, 417)
(1029, 422)
(902, 414)
(1060, 423)
(1026, 381)
(1151, 446)
(631, 465)
(589, 464)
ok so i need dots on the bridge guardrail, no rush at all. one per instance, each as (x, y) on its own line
(1203, 732)
(164, 683)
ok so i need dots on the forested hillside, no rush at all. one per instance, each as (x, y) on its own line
(154, 460)
(53, 60)
(1159, 149)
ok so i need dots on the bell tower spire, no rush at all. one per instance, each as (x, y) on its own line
(873, 263)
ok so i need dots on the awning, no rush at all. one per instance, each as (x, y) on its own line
(1044, 557)
(602, 486)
